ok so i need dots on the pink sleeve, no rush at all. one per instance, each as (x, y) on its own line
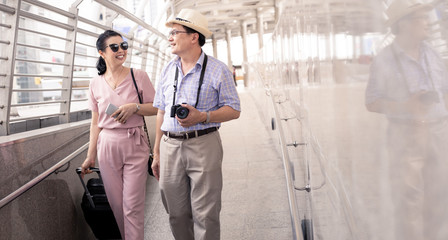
(93, 103)
(147, 88)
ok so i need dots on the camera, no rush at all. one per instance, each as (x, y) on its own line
(429, 97)
(181, 112)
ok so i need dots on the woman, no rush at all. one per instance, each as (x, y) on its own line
(118, 139)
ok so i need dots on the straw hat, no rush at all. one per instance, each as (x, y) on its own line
(401, 8)
(192, 19)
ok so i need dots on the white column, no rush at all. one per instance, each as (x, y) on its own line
(215, 46)
(260, 29)
(229, 49)
(244, 65)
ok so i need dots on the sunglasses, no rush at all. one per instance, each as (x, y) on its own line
(114, 47)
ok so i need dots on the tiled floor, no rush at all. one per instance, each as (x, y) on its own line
(255, 202)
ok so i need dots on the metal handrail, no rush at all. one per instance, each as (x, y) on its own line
(38, 75)
(42, 176)
(80, 100)
(46, 20)
(40, 62)
(39, 89)
(19, 119)
(5, 25)
(42, 48)
(294, 212)
(85, 55)
(37, 103)
(86, 44)
(84, 66)
(43, 34)
(51, 8)
(131, 17)
(7, 9)
(93, 23)
(80, 88)
(87, 32)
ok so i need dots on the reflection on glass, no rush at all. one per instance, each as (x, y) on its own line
(408, 84)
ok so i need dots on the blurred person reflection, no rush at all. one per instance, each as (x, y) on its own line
(408, 84)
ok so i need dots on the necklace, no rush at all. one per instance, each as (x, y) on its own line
(112, 81)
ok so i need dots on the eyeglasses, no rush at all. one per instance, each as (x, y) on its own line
(114, 47)
(175, 32)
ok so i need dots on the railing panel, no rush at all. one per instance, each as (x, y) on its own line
(44, 59)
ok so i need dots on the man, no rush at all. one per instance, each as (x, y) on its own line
(195, 94)
(409, 84)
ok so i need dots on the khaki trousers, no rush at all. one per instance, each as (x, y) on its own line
(419, 174)
(191, 185)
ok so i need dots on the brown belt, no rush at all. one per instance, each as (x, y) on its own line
(192, 134)
(418, 122)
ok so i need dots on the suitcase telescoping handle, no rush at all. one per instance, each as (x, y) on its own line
(89, 196)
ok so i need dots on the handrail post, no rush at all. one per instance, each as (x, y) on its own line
(69, 61)
(8, 68)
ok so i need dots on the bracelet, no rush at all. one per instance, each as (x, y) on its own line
(138, 107)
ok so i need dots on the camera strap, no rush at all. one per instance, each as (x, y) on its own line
(201, 80)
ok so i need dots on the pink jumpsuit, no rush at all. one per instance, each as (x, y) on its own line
(123, 151)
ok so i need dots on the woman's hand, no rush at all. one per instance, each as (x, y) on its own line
(88, 163)
(124, 112)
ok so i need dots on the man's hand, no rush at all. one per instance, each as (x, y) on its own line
(194, 117)
(419, 103)
(156, 166)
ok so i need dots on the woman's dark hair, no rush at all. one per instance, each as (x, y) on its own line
(101, 45)
(201, 37)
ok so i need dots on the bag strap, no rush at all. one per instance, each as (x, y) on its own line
(141, 102)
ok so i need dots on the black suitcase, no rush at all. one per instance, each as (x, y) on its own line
(96, 208)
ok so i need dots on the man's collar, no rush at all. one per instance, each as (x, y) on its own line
(399, 50)
(199, 62)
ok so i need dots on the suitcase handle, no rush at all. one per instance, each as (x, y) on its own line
(89, 196)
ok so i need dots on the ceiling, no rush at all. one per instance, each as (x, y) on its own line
(349, 16)
(226, 15)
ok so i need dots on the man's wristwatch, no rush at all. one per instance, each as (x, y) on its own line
(207, 120)
(138, 107)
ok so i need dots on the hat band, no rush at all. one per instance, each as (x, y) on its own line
(182, 20)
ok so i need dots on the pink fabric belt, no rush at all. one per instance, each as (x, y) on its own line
(132, 133)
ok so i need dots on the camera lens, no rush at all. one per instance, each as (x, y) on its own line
(182, 112)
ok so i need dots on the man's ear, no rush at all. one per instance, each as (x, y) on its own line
(195, 37)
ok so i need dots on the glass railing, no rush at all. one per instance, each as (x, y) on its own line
(315, 71)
